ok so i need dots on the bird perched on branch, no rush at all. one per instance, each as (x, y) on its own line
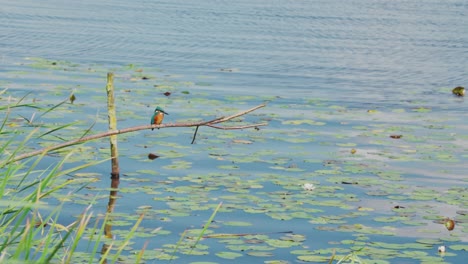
(158, 116)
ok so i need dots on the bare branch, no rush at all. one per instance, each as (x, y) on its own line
(81, 140)
(237, 127)
(239, 114)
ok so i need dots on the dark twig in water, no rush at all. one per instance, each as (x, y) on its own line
(195, 134)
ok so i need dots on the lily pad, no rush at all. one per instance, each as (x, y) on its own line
(228, 255)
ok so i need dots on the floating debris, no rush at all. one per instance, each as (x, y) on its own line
(441, 249)
(348, 182)
(449, 224)
(396, 136)
(229, 69)
(152, 156)
(308, 186)
(72, 98)
(459, 91)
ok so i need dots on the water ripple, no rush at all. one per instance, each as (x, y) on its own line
(353, 44)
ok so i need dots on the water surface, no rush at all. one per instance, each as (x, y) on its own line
(362, 70)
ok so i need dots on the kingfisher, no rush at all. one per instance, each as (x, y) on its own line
(158, 116)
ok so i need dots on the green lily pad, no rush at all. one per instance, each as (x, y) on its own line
(300, 122)
(463, 247)
(228, 255)
(237, 223)
(260, 254)
(278, 243)
(314, 258)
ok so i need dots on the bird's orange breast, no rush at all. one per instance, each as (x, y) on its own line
(158, 118)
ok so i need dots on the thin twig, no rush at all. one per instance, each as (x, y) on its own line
(239, 114)
(138, 128)
(237, 127)
(227, 128)
(224, 119)
(195, 134)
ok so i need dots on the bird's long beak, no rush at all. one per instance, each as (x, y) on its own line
(165, 113)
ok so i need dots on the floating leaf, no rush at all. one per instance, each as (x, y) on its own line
(346, 144)
(260, 254)
(422, 109)
(228, 255)
(389, 219)
(463, 247)
(281, 243)
(237, 223)
(300, 122)
(314, 258)
(178, 164)
(87, 174)
(241, 141)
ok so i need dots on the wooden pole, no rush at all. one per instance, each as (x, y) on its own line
(115, 174)
(112, 125)
(111, 205)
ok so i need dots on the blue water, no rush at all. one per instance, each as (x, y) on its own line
(357, 49)
(360, 54)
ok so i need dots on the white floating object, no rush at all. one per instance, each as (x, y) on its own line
(442, 249)
(308, 186)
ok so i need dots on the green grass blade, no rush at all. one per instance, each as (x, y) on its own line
(55, 106)
(88, 130)
(58, 128)
(206, 226)
(47, 241)
(82, 224)
(178, 244)
(127, 238)
(59, 245)
(98, 240)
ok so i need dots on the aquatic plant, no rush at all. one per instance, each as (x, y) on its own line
(30, 229)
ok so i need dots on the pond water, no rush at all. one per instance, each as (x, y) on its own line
(337, 76)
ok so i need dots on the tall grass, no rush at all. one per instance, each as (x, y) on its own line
(30, 230)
